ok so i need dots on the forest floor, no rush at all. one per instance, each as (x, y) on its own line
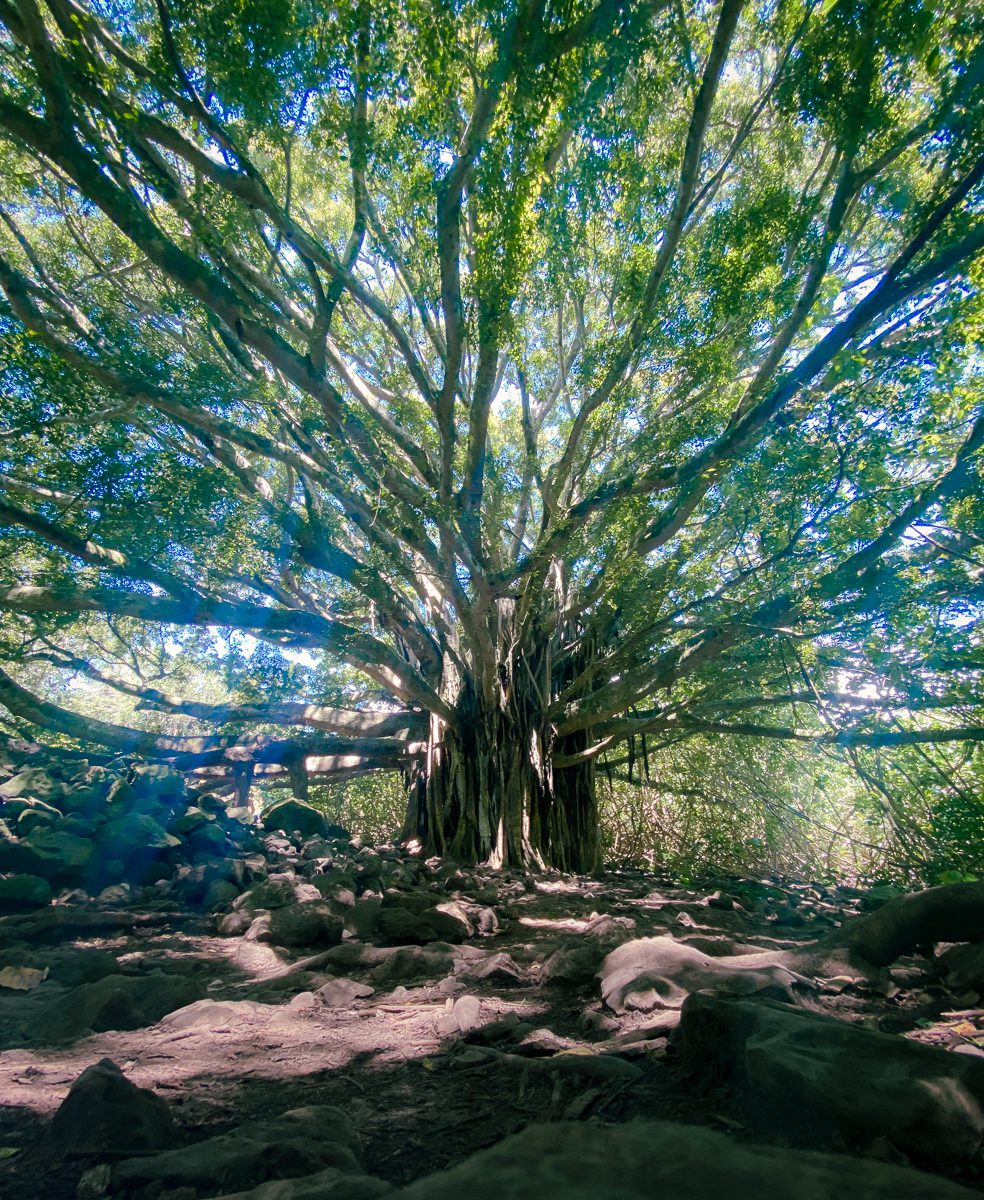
(426, 1079)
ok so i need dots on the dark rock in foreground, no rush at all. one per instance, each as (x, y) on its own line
(104, 1113)
(839, 1079)
(649, 1159)
(297, 1143)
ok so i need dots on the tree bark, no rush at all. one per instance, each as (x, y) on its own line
(953, 912)
(488, 793)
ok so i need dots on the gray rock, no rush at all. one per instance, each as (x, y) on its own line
(32, 781)
(60, 856)
(219, 893)
(573, 966)
(303, 892)
(460, 1016)
(410, 964)
(211, 1014)
(191, 819)
(275, 892)
(649, 1159)
(318, 848)
(499, 970)
(209, 839)
(362, 919)
(298, 1143)
(85, 801)
(337, 890)
(294, 816)
(22, 893)
(339, 993)
(115, 1002)
(839, 1081)
(331, 1184)
(14, 854)
(104, 1113)
(350, 956)
(37, 815)
(964, 967)
(157, 779)
(398, 926)
(75, 967)
(451, 922)
(133, 833)
(483, 918)
(235, 923)
(310, 924)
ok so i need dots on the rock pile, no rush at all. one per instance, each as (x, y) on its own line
(318, 891)
(68, 824)
(291, 952)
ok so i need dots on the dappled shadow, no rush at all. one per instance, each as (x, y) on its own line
(422, 1093)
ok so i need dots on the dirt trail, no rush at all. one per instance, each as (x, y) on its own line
(458, 1045)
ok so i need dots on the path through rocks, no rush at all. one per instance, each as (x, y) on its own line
(342, 1022)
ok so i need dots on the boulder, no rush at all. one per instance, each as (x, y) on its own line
(963, 965)
(211, 1014)
(336, 888)
(86, 801)
(298, 1143)
(362, 919)
(412, 964)
(276, 892)
(32, 781)
(18, 978)
(451, 921)
(36, 815)
(573, 966)
(115, 1002)
(60, 856)
(135, 833)
(460, 1016)
(104, 1113)
(15, 855)
(208, 839)
(219, 893)
(399, 926)
(497, 969)
(836, 1082)
(339, 993)
(649, 1159)
(235, 923)
(331, 1184)
(157, 779)
(294, 816)
(22, 893)
(191, 819)
(74, 967)
(310, 924)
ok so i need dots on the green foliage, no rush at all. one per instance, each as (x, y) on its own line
(436, 355)
(371, 808)
(709, 807)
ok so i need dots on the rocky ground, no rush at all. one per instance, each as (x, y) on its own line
(192, 1007)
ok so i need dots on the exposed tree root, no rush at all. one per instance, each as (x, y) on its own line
(953, 912)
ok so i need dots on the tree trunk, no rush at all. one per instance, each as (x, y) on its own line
(489, 794)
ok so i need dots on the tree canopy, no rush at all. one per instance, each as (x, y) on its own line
(543, 379)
